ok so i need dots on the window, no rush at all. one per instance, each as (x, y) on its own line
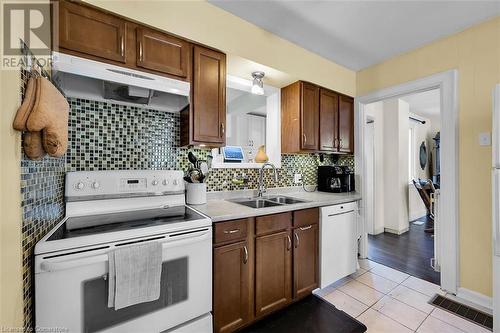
(411, 154)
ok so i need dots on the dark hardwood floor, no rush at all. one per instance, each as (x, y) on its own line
(410, 252)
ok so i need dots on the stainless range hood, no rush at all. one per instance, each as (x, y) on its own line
(88, 79)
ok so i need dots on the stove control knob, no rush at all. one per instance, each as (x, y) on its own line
(154, 182)
(176, 182)
(165, 182)
(95, 185)
(80, 185)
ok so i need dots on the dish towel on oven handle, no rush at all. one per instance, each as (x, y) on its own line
(134, 274)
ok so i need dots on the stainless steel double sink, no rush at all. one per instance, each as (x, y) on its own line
(270, 201)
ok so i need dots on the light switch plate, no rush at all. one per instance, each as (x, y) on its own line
(485, 139)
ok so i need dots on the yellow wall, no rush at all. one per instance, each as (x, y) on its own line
(475, 52)
(11, 282)
(207, 24)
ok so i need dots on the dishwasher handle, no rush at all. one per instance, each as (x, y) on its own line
(341, 213)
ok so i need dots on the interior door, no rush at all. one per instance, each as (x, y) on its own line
(346, 125)
(209, 100)
(328, 120)
(273, 273)
(309, 117)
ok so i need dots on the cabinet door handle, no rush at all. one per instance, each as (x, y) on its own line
(340, 143)
(289, 246)
(231, 231)
(306, 228)
(305, 137)
(245, 258)
(222, 130)
(297, 240)
(122, 46)
(140, 51)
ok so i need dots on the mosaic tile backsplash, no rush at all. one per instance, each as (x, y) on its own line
(42, 198)
(108, 136)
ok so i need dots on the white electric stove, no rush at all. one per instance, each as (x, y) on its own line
(109, 209)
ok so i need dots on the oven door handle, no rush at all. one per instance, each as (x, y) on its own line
(52, 266)
(172, 241)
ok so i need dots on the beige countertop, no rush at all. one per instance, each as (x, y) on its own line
(219, 208)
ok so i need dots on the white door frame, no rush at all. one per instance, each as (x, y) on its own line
(447, 82)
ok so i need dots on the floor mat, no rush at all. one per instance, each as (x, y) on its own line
(312, 314)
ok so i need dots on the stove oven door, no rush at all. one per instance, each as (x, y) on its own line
(71, 289)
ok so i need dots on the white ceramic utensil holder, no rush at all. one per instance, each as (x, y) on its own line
(196, 193)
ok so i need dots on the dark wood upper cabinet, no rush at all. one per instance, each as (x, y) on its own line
(328, 120)
(346, 125)
(207, 117)
(89, 32)
(305, 260)
(93, 32)
(232, 281)
(316, 119)
(309, 116)
(273, 272)
(163, 53)
(299, 117)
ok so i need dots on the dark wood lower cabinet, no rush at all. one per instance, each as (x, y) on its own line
(305, 260)
(273, 273)
(232, 304)
(270, 264)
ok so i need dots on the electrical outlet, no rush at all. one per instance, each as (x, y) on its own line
(297, 178)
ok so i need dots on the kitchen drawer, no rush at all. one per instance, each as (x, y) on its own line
(340, 208)
(305, 217)
(272, 223)
(230, 231)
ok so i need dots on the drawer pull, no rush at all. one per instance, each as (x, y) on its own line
(231, 231)
(245, 258)
(306, 228)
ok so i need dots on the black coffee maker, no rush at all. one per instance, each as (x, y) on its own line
(336, 179)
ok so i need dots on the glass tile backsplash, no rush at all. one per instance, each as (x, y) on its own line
(109, 136)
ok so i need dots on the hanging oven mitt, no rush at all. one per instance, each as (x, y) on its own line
(25, 109)
(32, 144)
(32, 141)
(50, 114)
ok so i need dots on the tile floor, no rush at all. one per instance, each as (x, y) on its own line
(387, 300)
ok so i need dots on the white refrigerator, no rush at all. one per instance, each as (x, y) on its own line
(496, 208)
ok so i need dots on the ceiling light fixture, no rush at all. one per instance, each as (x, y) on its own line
(258, 84)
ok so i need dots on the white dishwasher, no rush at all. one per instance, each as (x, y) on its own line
(338, 242)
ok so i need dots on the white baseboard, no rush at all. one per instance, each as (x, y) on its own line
(396, 232)
(475, 299)
(416, 215)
